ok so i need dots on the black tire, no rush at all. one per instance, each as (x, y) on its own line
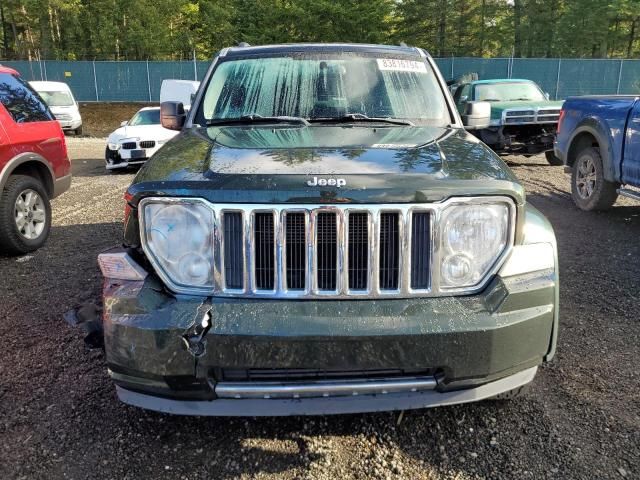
(511, 394)
(552, 159)
(589, 189)
(78, 131)
(12, 240)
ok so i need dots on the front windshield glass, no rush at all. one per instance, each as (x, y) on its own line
(57, 99)
(321, 86)
(146, 117)
(506, 92)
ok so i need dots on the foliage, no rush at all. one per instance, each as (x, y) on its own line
(175, 29)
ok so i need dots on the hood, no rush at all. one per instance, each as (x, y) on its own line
(266, 164)
(142, 132)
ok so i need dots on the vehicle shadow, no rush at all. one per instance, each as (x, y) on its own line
(419, 444)
(95, 167)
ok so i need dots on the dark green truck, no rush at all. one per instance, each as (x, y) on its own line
(324, 236)
(523, 120)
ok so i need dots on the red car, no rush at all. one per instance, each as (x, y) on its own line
(34, 165)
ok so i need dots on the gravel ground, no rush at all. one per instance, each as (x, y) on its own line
(59, 416)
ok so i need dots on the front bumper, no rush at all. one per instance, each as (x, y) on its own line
(70, 124)
(123, 164)
(326, 406)
(475, 346)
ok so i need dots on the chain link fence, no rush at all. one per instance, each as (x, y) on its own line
(103, 81)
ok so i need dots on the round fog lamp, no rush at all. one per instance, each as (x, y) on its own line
(194, 268)
(457, 270)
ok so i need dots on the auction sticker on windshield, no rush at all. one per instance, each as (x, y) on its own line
(398, 65)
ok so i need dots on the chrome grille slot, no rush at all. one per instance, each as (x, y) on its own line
(128, 145)
(358, 251)
(233, 251)
(296, 257)
(264, 251)
(326, 251)
(420, 250)
(147, 144)
(389, 262)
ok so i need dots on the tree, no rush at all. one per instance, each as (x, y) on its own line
(174, 29)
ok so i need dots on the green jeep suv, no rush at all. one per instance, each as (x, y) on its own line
(324, 236)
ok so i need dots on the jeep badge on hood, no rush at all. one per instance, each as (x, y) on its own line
(323, 182)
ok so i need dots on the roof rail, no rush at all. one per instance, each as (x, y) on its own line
(403, 44)
(243, 44)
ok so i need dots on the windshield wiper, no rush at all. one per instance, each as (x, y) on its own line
(522, 99)
(255, 118)
(360, 117)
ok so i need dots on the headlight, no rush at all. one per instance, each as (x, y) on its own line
(472, 239)
(178, 238)
(113, 146)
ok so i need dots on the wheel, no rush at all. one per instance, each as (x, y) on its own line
(552, 159)
(78, 131)
(25, 215)
(589, 189)
(511, 394)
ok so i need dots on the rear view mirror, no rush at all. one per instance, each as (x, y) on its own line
(476, 115)
(172, 115)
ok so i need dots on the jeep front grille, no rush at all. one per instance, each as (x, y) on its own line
(323, 251)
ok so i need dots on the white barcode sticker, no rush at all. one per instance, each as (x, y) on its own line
(399, 65)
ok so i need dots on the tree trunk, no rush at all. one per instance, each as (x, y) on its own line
(482, 22)
(5, 43)
(632, 36)
(442, 28)
(517, 32)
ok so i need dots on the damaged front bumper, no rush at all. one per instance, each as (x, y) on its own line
(183, 355)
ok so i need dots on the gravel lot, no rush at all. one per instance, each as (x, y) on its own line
(59, 416)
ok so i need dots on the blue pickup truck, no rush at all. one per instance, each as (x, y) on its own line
(598, 140)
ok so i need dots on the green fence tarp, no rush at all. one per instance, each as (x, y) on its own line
(140, 81)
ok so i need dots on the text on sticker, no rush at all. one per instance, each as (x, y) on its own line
(398, 65)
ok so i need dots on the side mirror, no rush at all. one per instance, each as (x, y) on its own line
(476, 115)
(172, 115)
(546, 95)
(124, 123)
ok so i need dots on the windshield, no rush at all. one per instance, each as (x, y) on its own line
(57, 99)
(146, 117)
(321, 86)
(506, 92)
